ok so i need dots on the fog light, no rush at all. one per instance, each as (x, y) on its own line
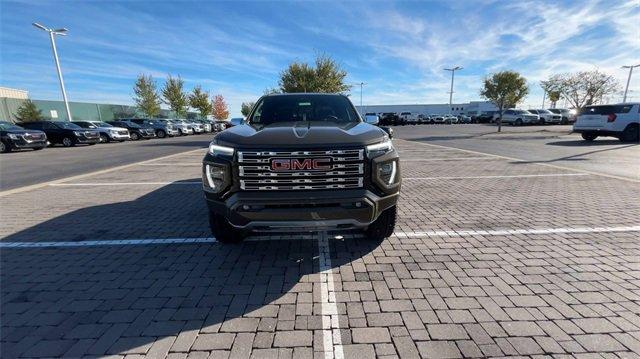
(358, 204)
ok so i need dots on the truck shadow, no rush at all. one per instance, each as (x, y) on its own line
(98, 300)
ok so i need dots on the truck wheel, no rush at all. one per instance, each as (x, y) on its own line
(68, 142)
(134, 136)
(588, 136)
(518, 122)
(161, 134)
(223, 231)
(104, 138)
(631, 133)
(4, 148)
(382, 227)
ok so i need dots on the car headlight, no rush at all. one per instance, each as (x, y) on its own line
(387, 172)
(220, 150)
(215, 177)
(12, 136)
(379, 149)
(77, 133)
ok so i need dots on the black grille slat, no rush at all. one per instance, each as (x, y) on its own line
(256, 174)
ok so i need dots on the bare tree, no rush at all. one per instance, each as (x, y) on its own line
(582, 88)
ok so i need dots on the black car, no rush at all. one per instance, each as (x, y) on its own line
(301, 161)
(13, 137)
(390, 119)
(136, 132)
(63, 132)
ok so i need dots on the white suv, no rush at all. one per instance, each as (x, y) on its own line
(619, 120)
(547, 116)
(409, 118)
(519, 117)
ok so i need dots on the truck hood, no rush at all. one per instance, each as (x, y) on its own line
(301, 135)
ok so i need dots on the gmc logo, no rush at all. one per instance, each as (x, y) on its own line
(293, 164)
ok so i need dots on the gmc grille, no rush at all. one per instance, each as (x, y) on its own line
(340, 169)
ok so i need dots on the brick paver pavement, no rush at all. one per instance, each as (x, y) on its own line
(432, 290)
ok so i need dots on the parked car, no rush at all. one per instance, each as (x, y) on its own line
(450, 119)
(371, 118)
(206, 125)
(436, 119)
(64, 132)
(422, 119)
(567, 116)
(464, 119)
(183, 128)
(389, 119)
(161, 128)
(517, 117)
(14, 137)
(108, 132)
(547, 116)
(619, 120)
(221, 125)
(486, 117)
(136, 132)
(408, 118)
(197, 127)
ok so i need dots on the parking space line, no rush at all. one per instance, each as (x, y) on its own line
(123, 184)
(447, 159)
(521, 160)
(173, 164)
(505, 232)
(331, 337)
(117, 242)
(507, 176)
(85, 175)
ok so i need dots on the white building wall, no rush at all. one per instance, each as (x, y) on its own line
(14, 93)
(469, 108)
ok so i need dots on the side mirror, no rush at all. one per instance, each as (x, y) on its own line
(371, 119)
(237, 121)
(388, 130)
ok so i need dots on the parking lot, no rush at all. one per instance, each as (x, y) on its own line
(505, 245)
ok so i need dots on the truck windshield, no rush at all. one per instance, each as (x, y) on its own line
(312, 108)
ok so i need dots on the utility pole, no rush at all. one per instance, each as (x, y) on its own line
(544, 97)
(453, 71)
(626, 89)
(52, 33)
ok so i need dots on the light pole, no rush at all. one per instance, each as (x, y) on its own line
(624, 99)
(361, 84)
(453, 71)
(52, 33)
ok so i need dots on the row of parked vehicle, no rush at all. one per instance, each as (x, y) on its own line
(408, 118)
(40, 134)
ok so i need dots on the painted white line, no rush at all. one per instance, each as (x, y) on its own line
(116, 242)
(107, 170)
(506, 232)
(521, 160)
(512, 176)
(331, 338)
(178, 164)
(446, 159)
(123, 184)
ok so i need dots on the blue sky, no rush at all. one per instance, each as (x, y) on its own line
(238, 48)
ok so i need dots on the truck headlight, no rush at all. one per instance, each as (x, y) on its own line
(387, 172)
(12, 136)
(77, 133)
(379, 149)
(220, 150)
(215, 177)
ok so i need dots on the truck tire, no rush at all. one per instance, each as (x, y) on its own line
(161, 134)
(589, 136)
(4, 148)
(384, 226)
(631, 133)
(223, 231)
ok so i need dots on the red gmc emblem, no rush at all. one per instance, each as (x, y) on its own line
(293, 164)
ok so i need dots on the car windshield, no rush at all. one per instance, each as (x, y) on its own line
(544, 111)
(8, 126)
(102, 124)
(554, 110)
(309, 108)
(68, 125)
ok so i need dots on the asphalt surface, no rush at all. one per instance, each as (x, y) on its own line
(23, 168)
(491, 257)
(554, 145)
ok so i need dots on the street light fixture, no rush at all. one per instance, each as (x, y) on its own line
(52, 33)
(453, 71)
(626, 89)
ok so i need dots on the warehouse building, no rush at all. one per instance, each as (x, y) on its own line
(468, 108)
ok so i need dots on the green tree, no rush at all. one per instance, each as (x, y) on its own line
(146, 95)
(554, 97)
(28, 112)
(246, 108)
(199, 100)
(582, 88)
(326, 76)
(174, 96)
(505, 89)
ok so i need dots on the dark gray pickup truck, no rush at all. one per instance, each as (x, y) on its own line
(301, 162)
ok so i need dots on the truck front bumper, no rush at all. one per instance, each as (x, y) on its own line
(263, 211)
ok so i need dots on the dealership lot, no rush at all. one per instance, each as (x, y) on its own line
(491, 257)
